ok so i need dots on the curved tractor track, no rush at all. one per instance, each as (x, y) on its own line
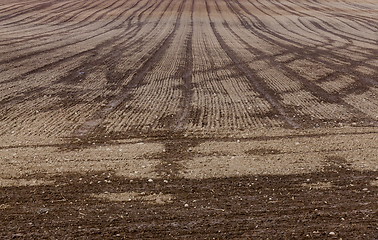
(234, 118)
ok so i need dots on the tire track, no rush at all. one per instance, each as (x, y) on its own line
(310, 86)
(64, 45)
(222, 97)
(31, 9)
(90, 125)
(51, 65)
(182, 119)
(79, 27)
(74, 74)
(22, 19)
(155, 102)
(259, 86)
(63, 30)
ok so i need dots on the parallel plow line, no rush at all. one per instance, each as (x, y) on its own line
(310, 85)
(94, 68)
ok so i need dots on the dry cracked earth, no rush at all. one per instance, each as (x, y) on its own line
(188, 119)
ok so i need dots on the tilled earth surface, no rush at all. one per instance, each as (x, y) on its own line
(302, 185)
(169, 119)
(337, 203)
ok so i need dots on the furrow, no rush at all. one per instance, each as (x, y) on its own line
(258, 85)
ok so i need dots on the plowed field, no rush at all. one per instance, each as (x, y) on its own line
(205, 119)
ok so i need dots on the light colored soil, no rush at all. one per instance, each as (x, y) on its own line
(263, 152)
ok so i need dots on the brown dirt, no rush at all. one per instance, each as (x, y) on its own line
(188, 119)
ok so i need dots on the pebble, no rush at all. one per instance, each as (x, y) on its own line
(43, 210)
(186, 205)
(150, 180)
(332, 233)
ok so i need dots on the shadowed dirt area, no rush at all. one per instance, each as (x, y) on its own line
(199, 119)
(335, 203)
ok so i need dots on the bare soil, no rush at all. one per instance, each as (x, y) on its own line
(171, 119)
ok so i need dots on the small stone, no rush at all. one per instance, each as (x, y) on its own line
(43, 210)
(150, 180)
(332, 233)
(186, 205)
(165, 181)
